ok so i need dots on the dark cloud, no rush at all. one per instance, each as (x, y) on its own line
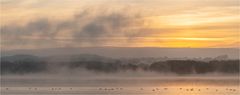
(14, 36)
(107, 25)
(85, 27)
(40, 25)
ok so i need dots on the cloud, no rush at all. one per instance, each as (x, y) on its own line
(35, 34)
(40, 25)
(84, 28)
(107, 26)
(97, 26)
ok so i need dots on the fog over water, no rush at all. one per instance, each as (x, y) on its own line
(93, 72)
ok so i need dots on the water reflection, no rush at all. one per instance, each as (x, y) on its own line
(121, 90)
(120, 87)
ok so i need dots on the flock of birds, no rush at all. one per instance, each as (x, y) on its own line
(154, 89)
(158, 89)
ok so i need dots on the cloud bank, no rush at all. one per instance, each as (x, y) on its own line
(46, 24)
(84, 29)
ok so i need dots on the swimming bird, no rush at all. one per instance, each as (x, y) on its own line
(192, 89)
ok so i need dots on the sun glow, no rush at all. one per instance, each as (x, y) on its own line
(144, 24)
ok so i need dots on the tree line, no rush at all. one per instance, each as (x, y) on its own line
(22, 64)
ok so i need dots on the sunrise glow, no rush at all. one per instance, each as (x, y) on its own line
(135, 23)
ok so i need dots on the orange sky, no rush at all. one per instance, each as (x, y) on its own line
(119, 23)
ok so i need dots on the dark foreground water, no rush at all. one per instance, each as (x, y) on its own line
(120, 86)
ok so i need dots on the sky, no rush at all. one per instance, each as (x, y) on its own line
(35, 24)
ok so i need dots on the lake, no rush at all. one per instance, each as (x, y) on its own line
(119, 85)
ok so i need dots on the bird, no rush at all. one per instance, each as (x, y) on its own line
(192, 89)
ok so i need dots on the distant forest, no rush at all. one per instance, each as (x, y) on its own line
(24, 64)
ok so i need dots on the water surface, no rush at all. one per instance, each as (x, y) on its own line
(120, 86)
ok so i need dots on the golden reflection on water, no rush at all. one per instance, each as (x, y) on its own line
(123, 87)
(178, 90)
(193, 89)
(201, 91)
